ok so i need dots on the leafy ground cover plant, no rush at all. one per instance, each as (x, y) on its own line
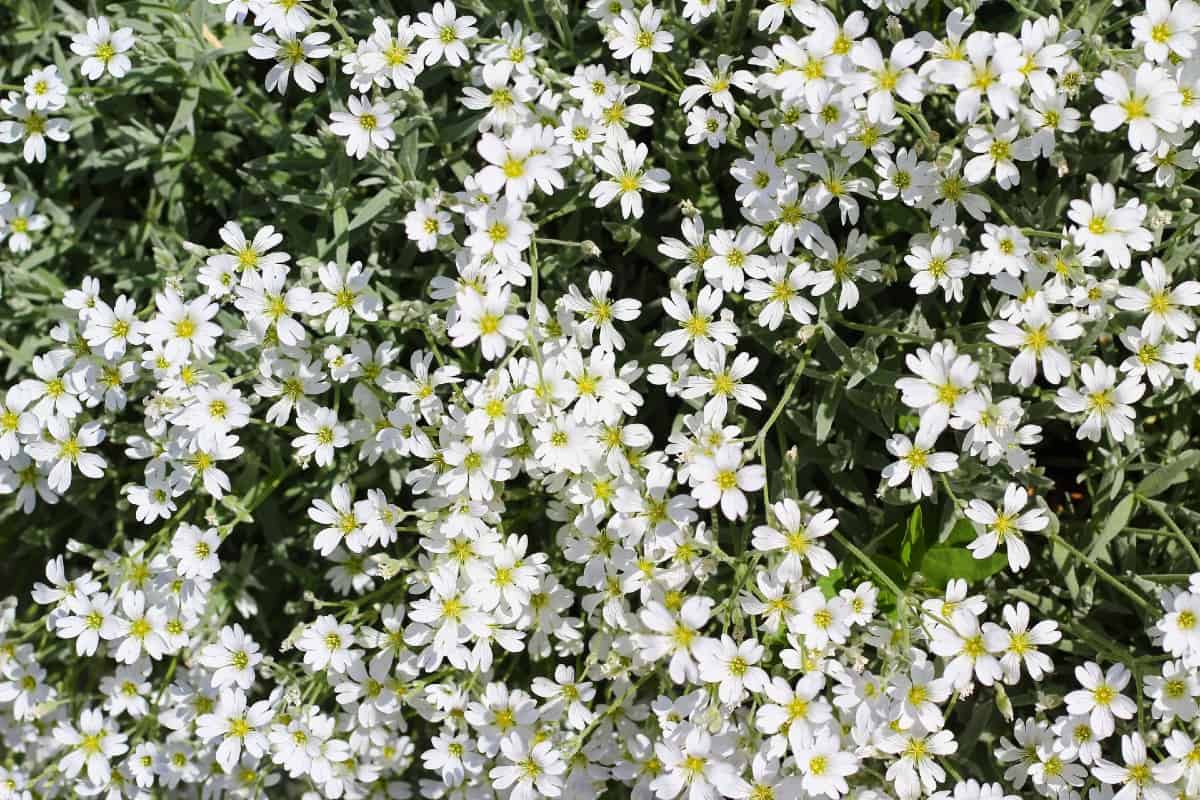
(696, 399)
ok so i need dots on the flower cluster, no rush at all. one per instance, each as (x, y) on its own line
(827, 466)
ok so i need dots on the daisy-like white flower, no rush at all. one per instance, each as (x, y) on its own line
(66, 449)
(445, 35)
(232, 658)
(291, 54)
(916, 459)
(534, 769)
(723, 479)
(1106, 227)
(1107, 404)
(1147, 101)
(721, 383)
(44, 90)
(110, 329)
(1139, 777)
(917, 770)
(1018, 644)
(696, 326)
(323, 434)
(1037, 338)
(31, 126)
(364, 125)
(798, 535)
(938, 263)
(945, 379)
(195, 551)
(696, 764)
(103, 49)
(997, 151)
(825, 766)
(486, 318)
(638, 37)
(1101, 697)
(732, 666)
(1004, 527)
(18, 221)
(426, 223)
(1167, 29)
(236, 725)
(92, 745)
(629, 177)
(346, 294)
(598, 312)
(780, 290)
(674, 633)
(880, 78)
(1162, 303)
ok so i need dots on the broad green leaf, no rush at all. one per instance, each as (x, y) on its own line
(942, 564)
(1168, 475)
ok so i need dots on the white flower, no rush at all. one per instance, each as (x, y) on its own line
(232, 658)
(629, 177)
(722, 479)
(44, 90)
(103, 49)
(599, 312)
(17, 221)
(365, 125)
(916, 459)
(64, 449)
(323, 434)
(1162, 304)
(92, 745)
(346, 295)
(798, 538)
(637, 37)
(486, 318)
(237, 725)
(291, 55)
(675, 634)
(696, 327)
(1038, 338)
(445, 35)
(1004, 527)
(998, 151)
(1167, 29)
(825, 766)
(327, 644)
(32, 126)
(1101, 697)
(698, 764)
(1140, 777)
(1148, 101)
(1107, 404)
(732, 666)
(945, 380)
(1106, 227)
(534, 769)
(917, 770)
(880, 78)
(195, 550)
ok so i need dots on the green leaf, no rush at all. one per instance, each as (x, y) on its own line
(1167, 476)
(831, 583)
(827, 411)
(912, 545)
(371, 209)
(963, 532)
(1115, 523)
(942, 564)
